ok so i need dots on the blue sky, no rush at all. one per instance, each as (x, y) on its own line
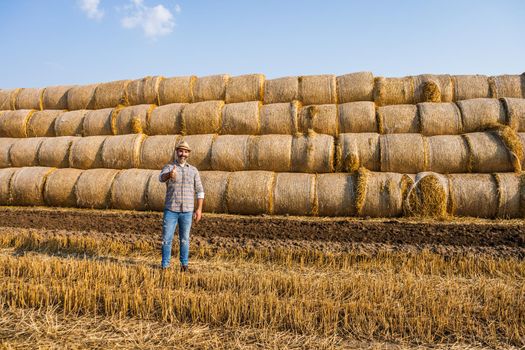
(56, 42)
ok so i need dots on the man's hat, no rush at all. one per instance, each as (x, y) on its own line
(183, 145)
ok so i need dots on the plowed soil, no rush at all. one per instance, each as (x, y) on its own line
(482, 233)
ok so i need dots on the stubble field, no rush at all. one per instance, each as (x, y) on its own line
(90, 279)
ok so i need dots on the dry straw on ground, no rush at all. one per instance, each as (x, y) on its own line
(176, 90)
(244, 88)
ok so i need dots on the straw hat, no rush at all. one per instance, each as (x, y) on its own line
(183, 145)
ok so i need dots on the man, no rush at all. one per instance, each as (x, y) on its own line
(183, 182)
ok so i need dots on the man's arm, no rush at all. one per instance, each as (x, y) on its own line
(199, 190)
(166, 173)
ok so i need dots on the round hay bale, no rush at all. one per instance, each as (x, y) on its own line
(202, 118)
(14, 123)
(8, 99)
(55, 97)
(111, 94)
(250, 192)
(244, 88)
(336, 194)
(428, 196)
(176, 90)
(166, 120)
(132, 119)
(54, 151)
(294, 194)
(317, 89)
(383, 194)
(230, 152)
(357, 117)
(81, 97)
(70, 123)
(448, 154)
(488, 153)
(313, 153)
(395, 156)
(158, 151)
(86, 152)
(214, 183)
(210, 88)
(122, 151)
(59, 190)
(143, 91)
(24, 152)
(355, 87)
(515, 109)
(481, 113)
(98, 122)
(129, 189)
(521, 136)
(321, 119)
(270, 152)
(241, 118)
(439, 119)
(155, 192)
(42, 123)
(5, 146)
(27, 185)
(508, 86)
(30, 98)
(473, 195)
(279, 118)
(280, 90)
(201, 148)
(394, 91)
(508, 195)
(433, 88)
(398, 119)
(467, 87)
(358, 150)
(6, 175)
(93, 188)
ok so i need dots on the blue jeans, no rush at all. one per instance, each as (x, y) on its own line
(169, 224)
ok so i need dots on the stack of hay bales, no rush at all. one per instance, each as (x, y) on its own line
(320, 145)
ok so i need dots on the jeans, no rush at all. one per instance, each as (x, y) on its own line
(169, 224)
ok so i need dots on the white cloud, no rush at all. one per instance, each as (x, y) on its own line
(154, 21)
(90, 7)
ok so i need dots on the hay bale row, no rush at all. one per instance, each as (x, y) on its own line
(496, 195)
(254, 118)
(481, 152)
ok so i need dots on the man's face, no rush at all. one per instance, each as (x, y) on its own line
(182, 154)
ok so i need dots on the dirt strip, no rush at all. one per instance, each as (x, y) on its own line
(481, 233)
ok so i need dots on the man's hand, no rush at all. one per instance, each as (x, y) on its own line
(197, 215)
(173, 173)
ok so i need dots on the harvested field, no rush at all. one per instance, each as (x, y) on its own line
(325, 284)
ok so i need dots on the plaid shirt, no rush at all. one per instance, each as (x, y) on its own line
(180, 193)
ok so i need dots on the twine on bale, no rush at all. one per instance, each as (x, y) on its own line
(315, 197)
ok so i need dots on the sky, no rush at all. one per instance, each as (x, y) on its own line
(62, 42)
